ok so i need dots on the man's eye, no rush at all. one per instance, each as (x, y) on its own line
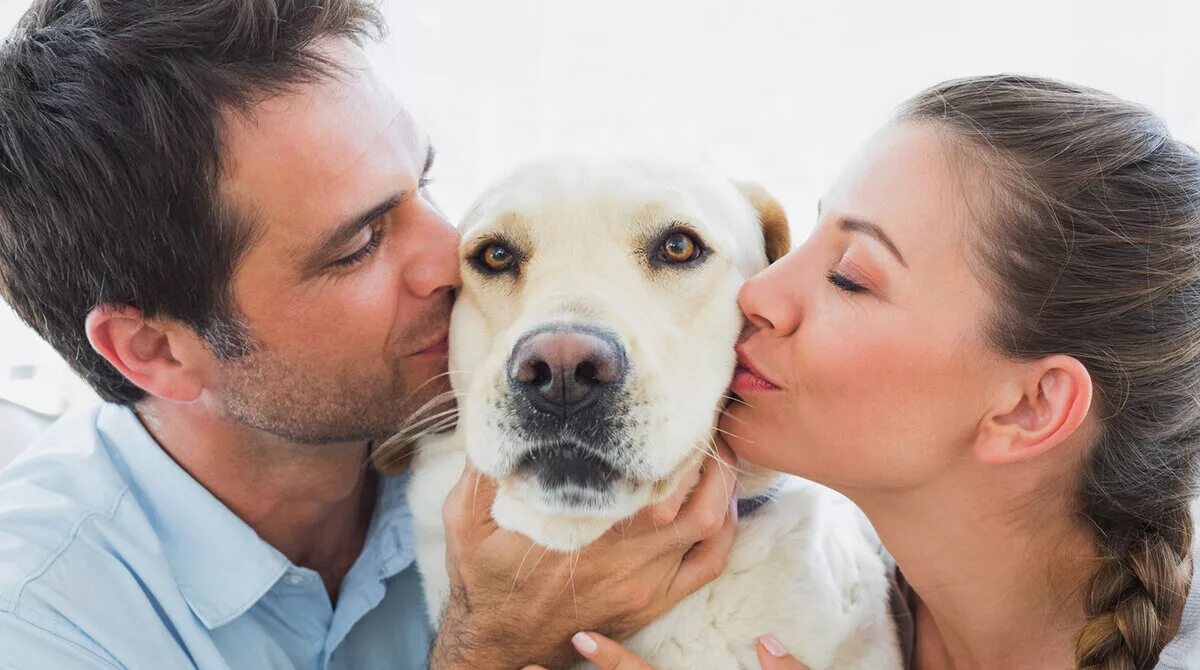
(363, 253)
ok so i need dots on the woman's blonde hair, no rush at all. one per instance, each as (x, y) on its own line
(1092, 245)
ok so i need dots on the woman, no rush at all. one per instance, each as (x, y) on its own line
(991, 344)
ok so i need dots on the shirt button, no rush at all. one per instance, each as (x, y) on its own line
(295, 580)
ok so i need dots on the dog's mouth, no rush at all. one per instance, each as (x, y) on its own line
(571, 474)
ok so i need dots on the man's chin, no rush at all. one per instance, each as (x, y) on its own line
(428, 407)
(433, 388)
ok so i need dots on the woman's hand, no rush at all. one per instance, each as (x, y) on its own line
(610, 655)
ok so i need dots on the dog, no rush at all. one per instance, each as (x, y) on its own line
(591, 347)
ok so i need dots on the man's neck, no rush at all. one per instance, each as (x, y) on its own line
(311, 502)
(999, 578)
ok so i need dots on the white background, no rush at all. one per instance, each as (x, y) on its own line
(777, 91)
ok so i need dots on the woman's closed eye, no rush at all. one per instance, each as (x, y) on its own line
(845, 283)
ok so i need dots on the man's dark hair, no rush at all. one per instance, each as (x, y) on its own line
(110, 156)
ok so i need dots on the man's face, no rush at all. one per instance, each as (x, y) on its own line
(348, 287)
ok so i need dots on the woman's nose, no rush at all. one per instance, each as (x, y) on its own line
(770, 299)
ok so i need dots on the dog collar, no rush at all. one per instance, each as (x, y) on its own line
(747, 506)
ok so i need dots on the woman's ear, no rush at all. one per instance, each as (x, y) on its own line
(161, 358)
(777, 239)
(1046, 403)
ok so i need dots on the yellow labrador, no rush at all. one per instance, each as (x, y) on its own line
(591, 348)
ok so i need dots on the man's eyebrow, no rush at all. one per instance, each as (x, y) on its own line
(345, 232)
(853, 225)
(430, 154)
(312, 261)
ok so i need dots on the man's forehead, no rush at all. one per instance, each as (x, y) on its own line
(309, 158)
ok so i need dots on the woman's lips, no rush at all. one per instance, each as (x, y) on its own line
(747, 379)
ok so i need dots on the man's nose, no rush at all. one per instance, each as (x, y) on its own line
(562, 370)
(435, 267)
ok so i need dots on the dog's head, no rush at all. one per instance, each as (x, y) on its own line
(592, 342)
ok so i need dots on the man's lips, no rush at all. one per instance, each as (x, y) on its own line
(439, 348)
(747, 378)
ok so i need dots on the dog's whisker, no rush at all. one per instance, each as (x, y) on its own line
(538, 561)
(433, 425)
(432, 418)
(733, 435)
(435, 378)
(728, 468)
(417, 426)
(475, 494)
(517, 576)
(725, 413)
(736, 399)
(413, 430)
(437, 399)
(389, 459)
(574, 596)
(710, 450)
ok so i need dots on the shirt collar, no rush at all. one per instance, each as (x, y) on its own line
(221, 564)
(390, 534)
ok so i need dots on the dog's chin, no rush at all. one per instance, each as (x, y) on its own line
(561, 520)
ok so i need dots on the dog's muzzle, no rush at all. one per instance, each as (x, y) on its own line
(563, 371)
(567, 382)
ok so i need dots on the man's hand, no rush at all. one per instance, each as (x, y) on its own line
(513, 602)
(610, 655)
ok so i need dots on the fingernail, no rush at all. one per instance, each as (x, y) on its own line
(773, 646)
(584, 643)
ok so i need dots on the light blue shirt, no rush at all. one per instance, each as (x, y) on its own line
(112, 556)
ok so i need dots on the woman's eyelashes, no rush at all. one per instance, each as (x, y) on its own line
(845, 283)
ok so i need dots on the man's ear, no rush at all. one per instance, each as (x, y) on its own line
(1044, 406)
(159, 356)
(777, 239)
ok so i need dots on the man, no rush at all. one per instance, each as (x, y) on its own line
(216, 213)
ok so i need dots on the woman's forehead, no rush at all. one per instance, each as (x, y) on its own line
(905, 181)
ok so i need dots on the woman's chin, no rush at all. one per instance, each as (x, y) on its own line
(762, 433)
(743, 429)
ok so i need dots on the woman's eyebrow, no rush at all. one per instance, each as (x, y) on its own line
(853, 225)
(868, 228)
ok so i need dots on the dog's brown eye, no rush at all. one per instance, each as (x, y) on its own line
(680, 248)
(496, 257)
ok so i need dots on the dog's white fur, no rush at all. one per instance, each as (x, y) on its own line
(802, 567)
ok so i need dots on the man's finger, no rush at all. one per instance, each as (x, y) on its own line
(773, 656)
(606, 653)
(664, 513)
(469, 504)
(706, 560)
(703, 515)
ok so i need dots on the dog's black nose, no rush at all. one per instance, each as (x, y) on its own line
(564, 369)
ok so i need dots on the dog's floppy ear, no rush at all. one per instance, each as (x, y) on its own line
(776, 237)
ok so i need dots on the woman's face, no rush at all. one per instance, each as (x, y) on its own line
(865, 365)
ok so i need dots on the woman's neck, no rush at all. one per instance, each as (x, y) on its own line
(999, 578)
